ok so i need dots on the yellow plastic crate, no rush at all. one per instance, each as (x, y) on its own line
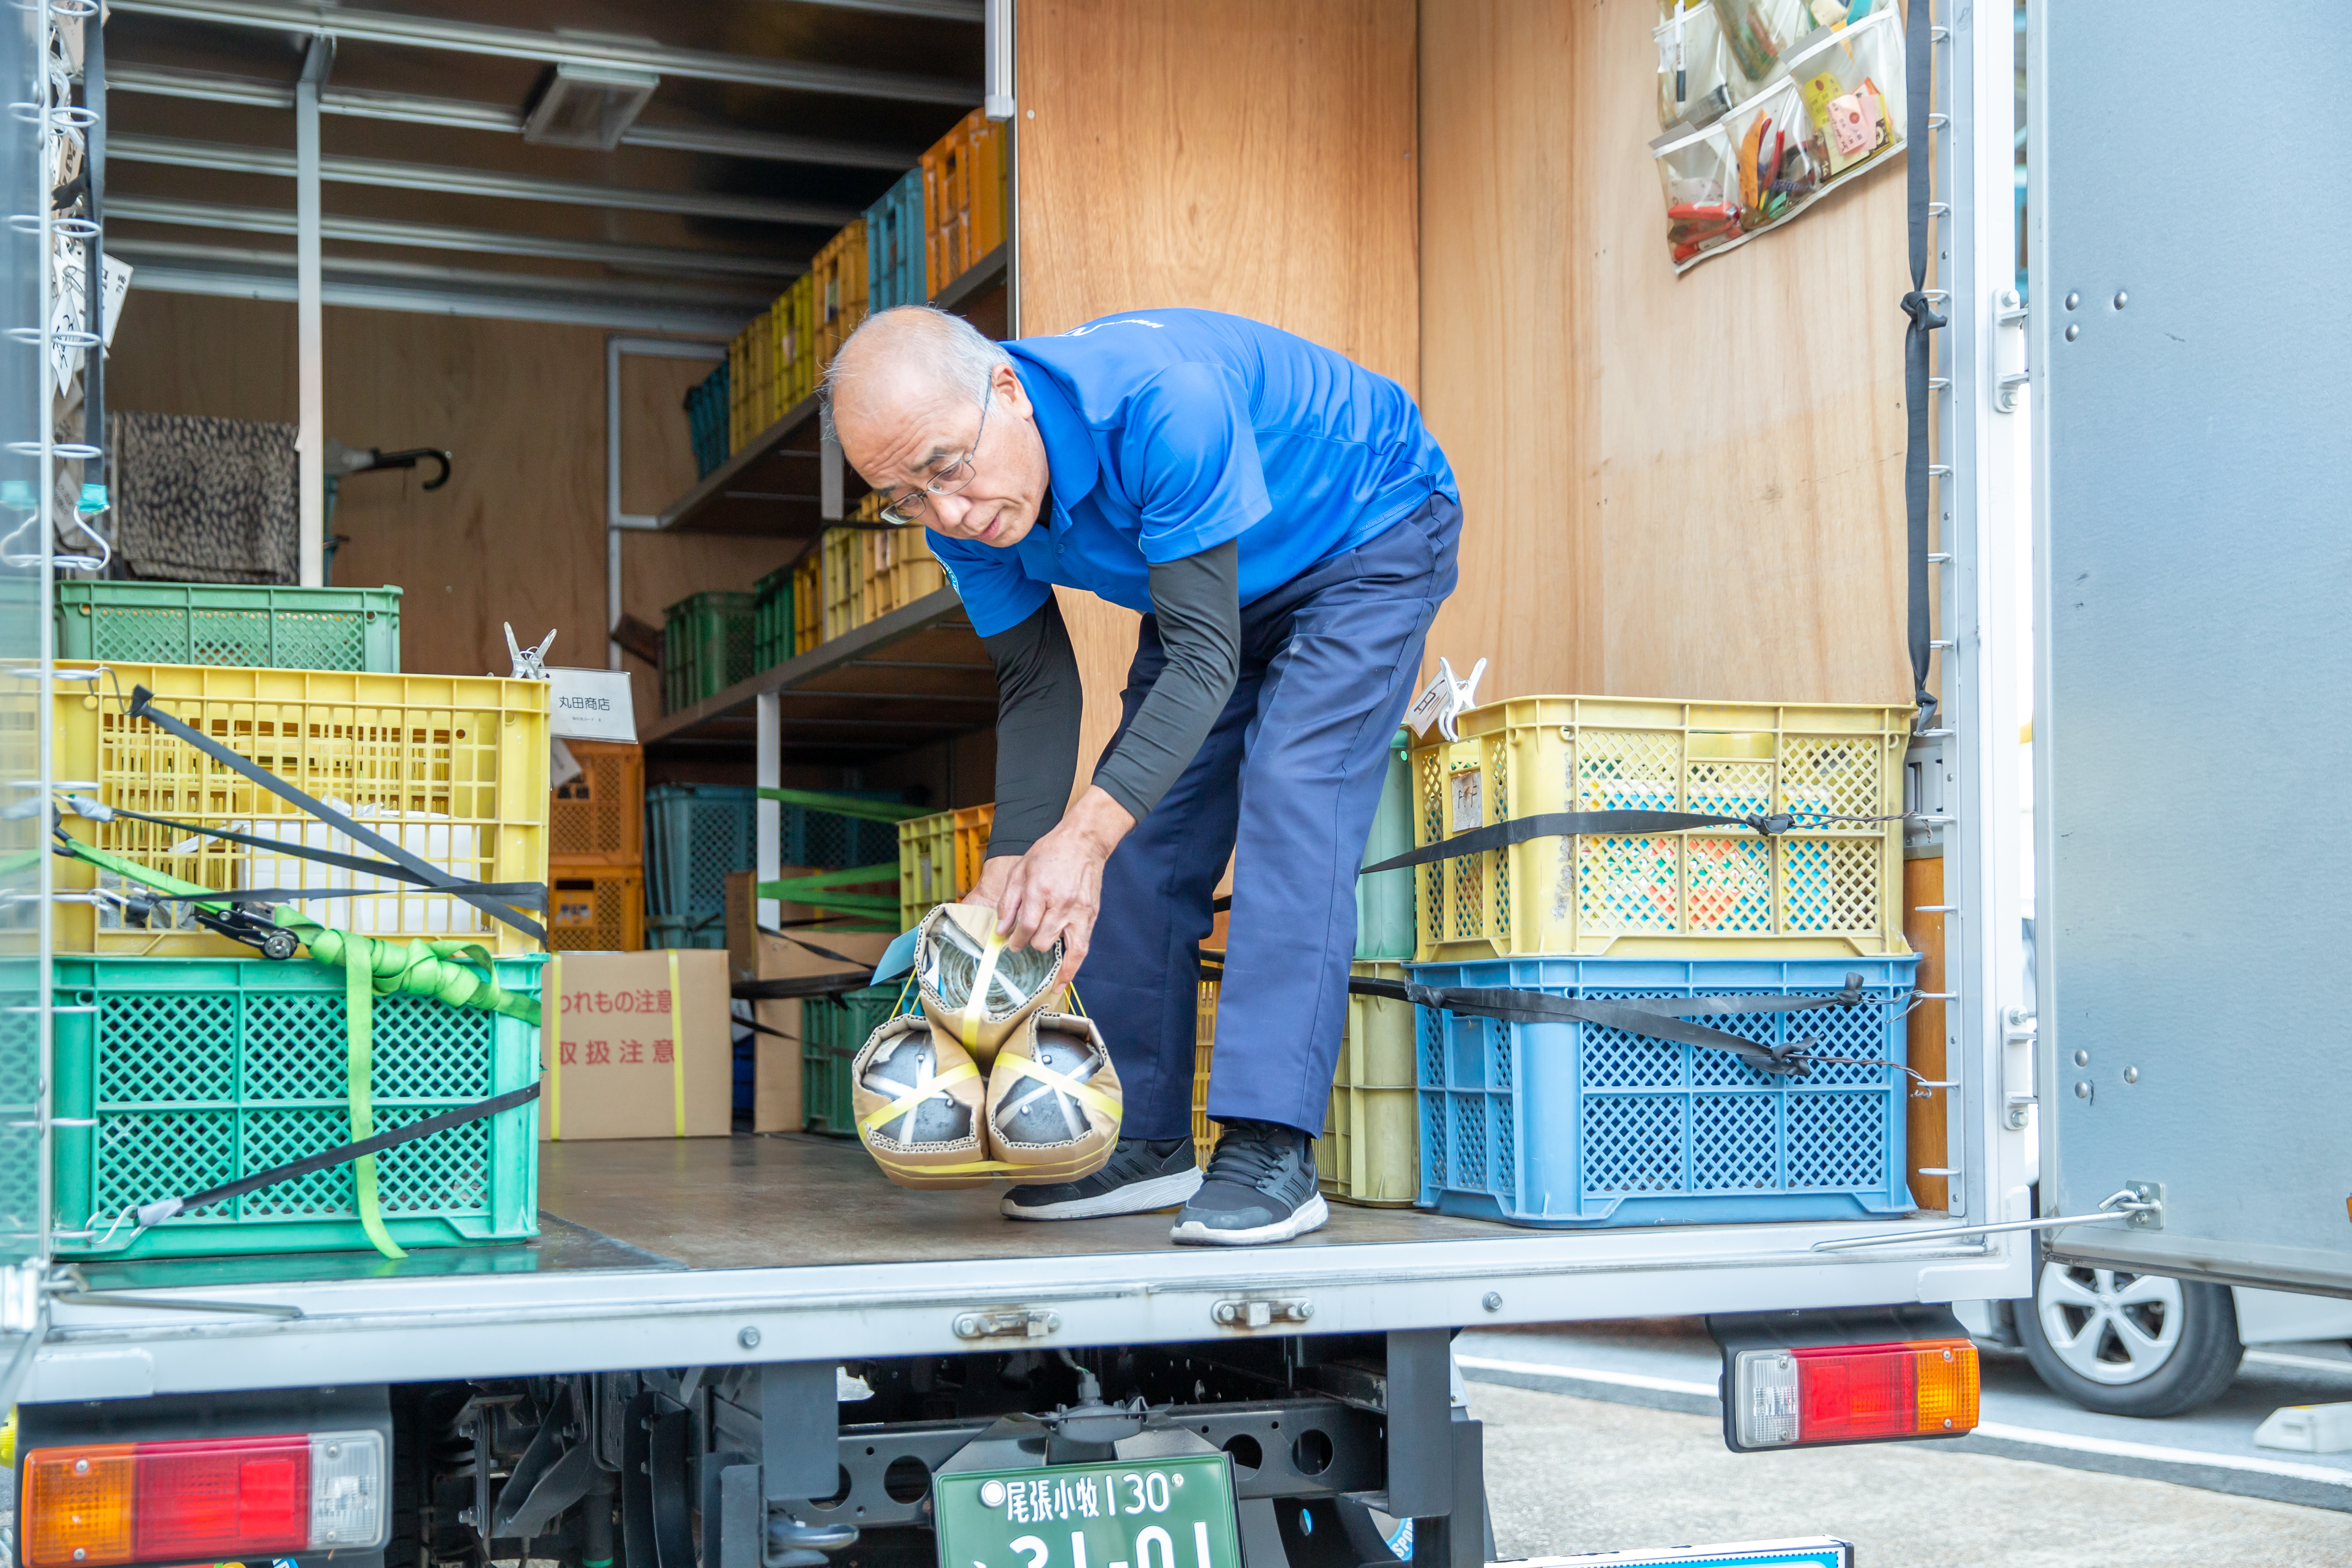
(927, 866)
(844, 581)
(900, 570)
(452, 768)
(1370, 1153)
(1204, 1040)
(839, 298)
(972, 824)
(1831, 888)
(808, 603)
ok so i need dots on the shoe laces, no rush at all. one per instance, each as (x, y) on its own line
(1248, 1155)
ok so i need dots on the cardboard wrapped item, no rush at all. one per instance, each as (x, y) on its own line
(639, 1046)
(919, 1101)
(976, 988)
(1053, 1100)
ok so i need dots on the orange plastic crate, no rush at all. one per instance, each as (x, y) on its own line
(596, 908)
(963, 199)
(599, 818)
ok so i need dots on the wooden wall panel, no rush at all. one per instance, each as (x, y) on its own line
(517, 535)
(1673, 487)
(1247, 156)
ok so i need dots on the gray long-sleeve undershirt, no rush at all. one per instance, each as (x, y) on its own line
(1196, 602)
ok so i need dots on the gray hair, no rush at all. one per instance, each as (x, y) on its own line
(945, 347)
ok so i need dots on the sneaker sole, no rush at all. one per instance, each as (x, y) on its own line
(1136, 1197)
(1309, 1215)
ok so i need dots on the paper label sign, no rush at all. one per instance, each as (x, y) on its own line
(592, 705)
(1426, 707)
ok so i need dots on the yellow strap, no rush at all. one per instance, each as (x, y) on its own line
(554, 1015)
(1029, 1067)
(1079, 1007)
(677, 1051)
(914, 1097)
(975, 1007)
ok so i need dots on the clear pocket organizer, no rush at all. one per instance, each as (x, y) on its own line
(1758, 33)
(1775, 154)
(1701, 183)
(1696, 81)
(1852, 82)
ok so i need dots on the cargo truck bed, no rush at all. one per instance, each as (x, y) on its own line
(710, 1252)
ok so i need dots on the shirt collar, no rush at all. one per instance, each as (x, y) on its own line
(1069, 443)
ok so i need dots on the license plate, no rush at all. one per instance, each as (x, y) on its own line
(1160, 1513)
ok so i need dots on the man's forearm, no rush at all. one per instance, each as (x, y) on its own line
(1196, 606)
(1039, 706)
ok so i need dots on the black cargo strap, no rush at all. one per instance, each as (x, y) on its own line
(143, 706)
(162, 1209)
(1615, 824)
(1653, 1017)
(530, 895)
(1918, 353)
(793, 987)
(533, 894)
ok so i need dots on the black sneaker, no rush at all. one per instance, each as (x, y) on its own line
(1139, 1177)
(1260, 1188)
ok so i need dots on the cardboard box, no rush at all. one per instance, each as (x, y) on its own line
(776, 1104)
(616, 1065)
(742, 911)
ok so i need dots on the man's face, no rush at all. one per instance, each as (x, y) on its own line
(899, 434)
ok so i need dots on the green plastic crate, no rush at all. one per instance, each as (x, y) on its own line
(772, 620)
(833, 1030)
(224, 624)
(189, 1072)
(706, 647)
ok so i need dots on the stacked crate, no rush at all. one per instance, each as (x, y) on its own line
(772, 620)
(964, 198)
(597, 851)
(707, 412)
(707, 646)
(900, 569)
(185, 1061)
(895, 273)
(1577, 1124)
(842, 560)
(695, 834)
(808, 603)
(841, 282)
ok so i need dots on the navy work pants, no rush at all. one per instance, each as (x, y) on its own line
(1287, 782)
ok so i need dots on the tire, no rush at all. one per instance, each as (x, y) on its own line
(2130, 1344)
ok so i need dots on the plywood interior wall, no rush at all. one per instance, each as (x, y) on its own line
(517, 535)
(1247, 156)
(1673, 487)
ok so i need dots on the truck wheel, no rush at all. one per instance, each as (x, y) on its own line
(2130, 1344)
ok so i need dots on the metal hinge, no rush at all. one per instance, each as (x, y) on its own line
(1258, 1312)
(2009, 310)
(1007, 1323)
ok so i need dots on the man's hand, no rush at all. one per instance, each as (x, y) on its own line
(1056, 890)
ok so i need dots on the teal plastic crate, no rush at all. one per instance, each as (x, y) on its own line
(189, 1072)
(833, 1030)
(895, 238)
(696, 834)
(678, 931)
(706, 647)
(225, 624)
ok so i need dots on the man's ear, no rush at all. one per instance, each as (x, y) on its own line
(1006, 381)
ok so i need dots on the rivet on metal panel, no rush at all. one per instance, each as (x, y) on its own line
(2131, 1075)
(2074, 332)
(2073, 300)
(2082, 1059)
(2083, 1090)
(2122, 298)
(748, 1339)
(1492, 1301)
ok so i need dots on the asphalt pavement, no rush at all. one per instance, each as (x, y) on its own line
(2064, 1485)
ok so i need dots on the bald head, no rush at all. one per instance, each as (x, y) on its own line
(924, 404)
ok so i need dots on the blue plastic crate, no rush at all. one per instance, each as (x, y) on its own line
(893, 247)
(1577, 1124)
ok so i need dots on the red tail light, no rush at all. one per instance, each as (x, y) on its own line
(1854, 1393)
(206, 1498)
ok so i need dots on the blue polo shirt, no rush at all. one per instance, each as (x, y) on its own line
(1170, 432)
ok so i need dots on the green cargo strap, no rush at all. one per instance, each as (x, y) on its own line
(822, 891)
(855, 806)
(359, 1012)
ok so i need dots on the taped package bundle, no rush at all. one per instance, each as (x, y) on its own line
(1047, 1109)
(973, 986)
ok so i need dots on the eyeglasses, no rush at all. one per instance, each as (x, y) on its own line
(909, 509)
